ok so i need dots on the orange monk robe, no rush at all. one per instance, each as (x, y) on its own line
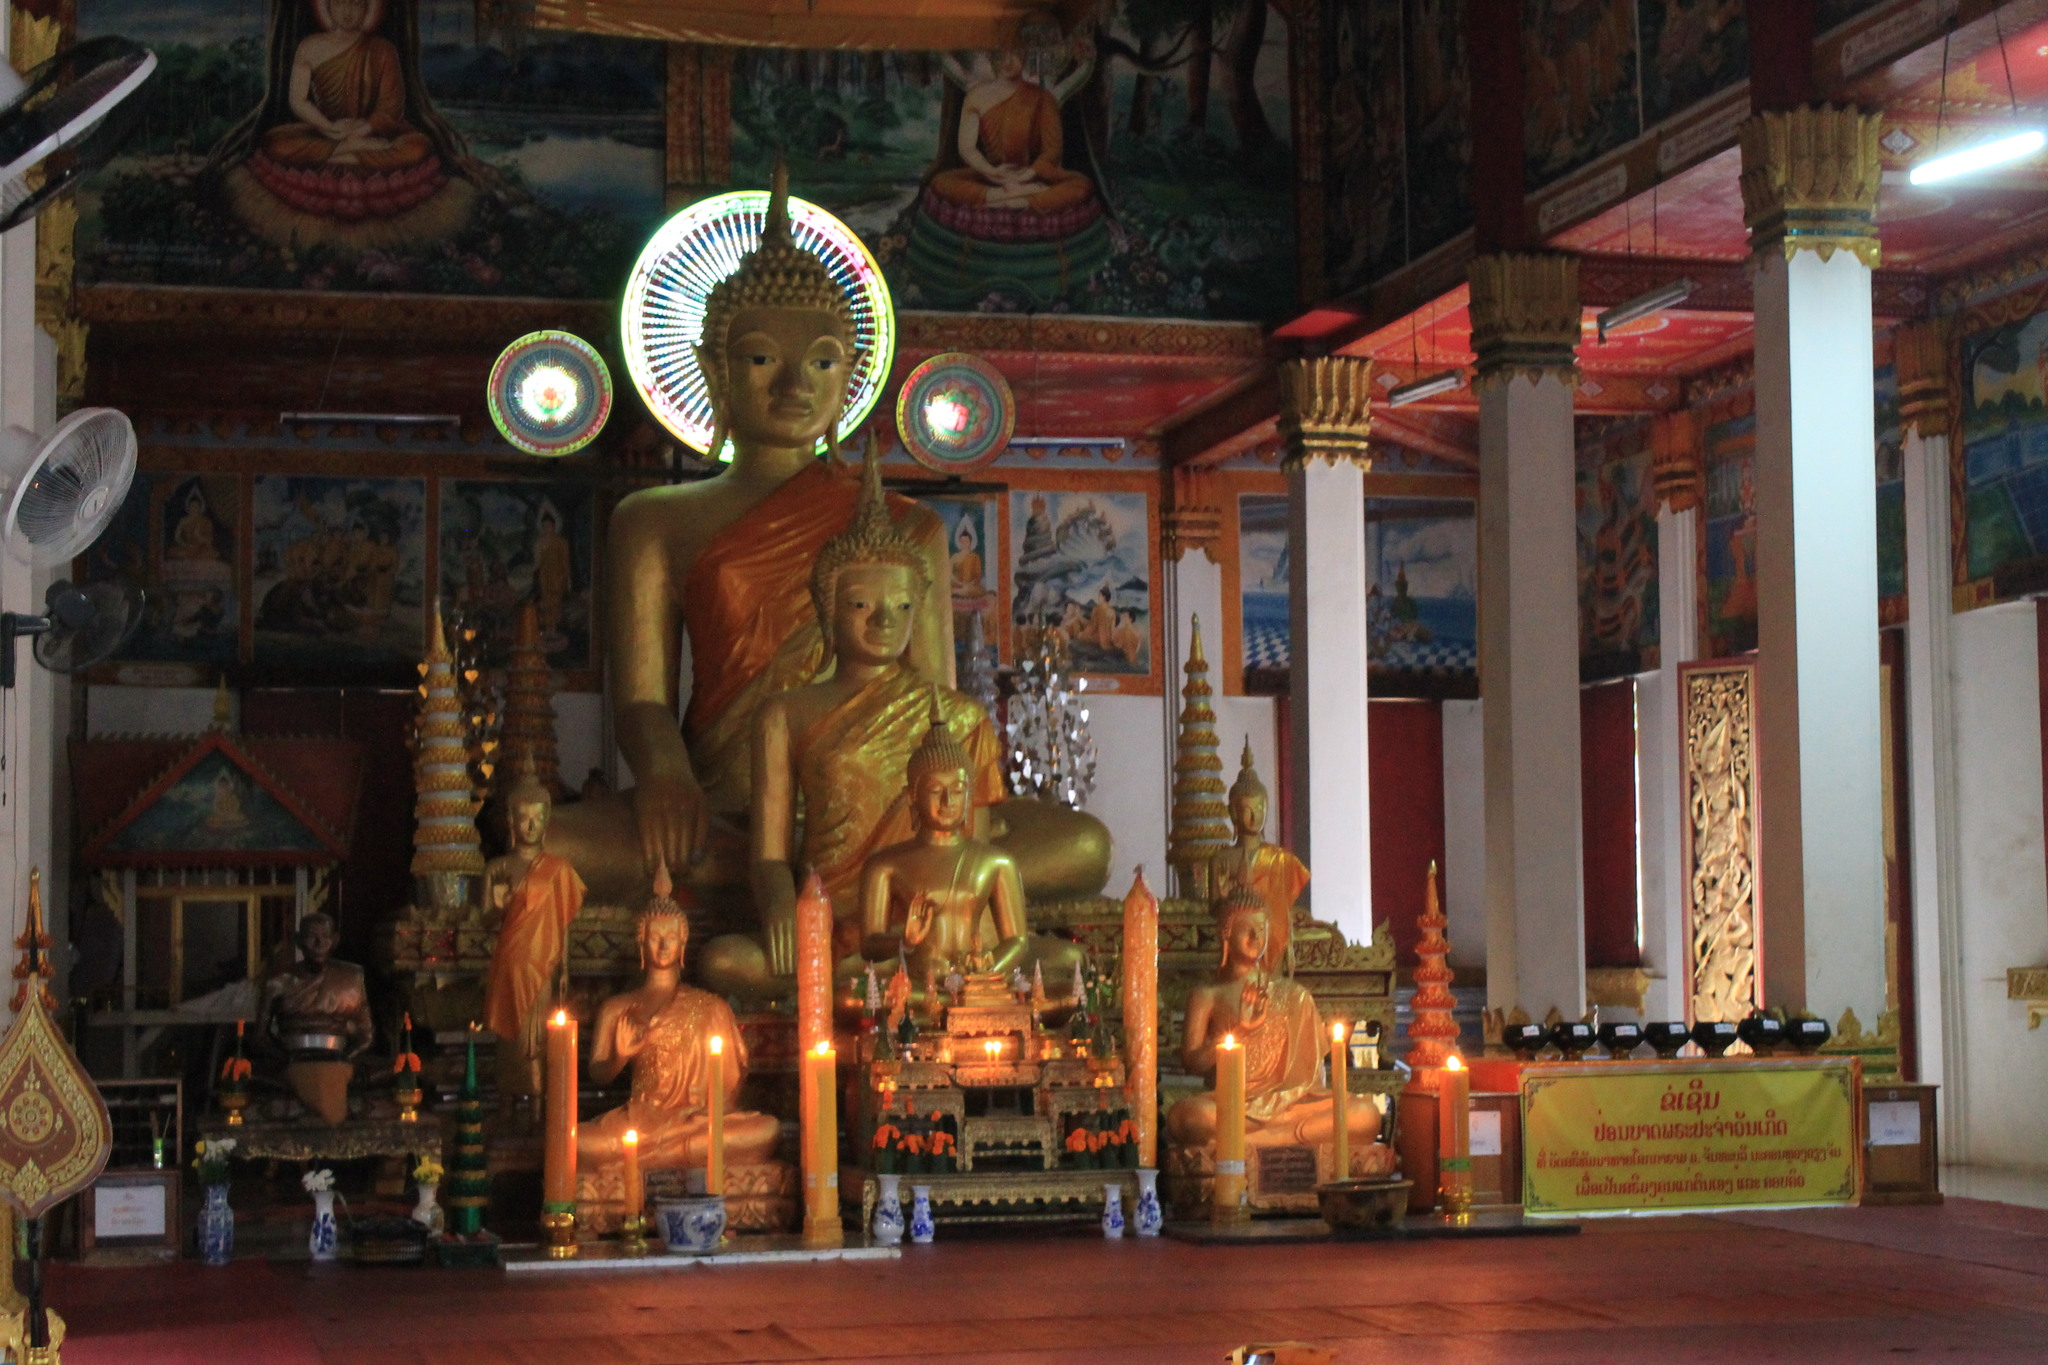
(1283, 1055)
(671, 1103)
(753, 629)
(1022, 129)
(364, 82)
(1278, 878)
(531, 942)
(852, 766)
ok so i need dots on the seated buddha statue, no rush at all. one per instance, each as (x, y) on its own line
(725, 564)
(1268, 870)
(662, 1030)
(952, 901)
(1276, 1021)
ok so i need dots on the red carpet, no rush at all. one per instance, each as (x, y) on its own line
(181, 1314)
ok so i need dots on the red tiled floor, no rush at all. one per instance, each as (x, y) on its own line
(1964, 1281)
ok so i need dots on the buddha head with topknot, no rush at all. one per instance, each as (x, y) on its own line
(777, 350)
(869, 580)
(940, 776)
(1248, 798)
(663, 925)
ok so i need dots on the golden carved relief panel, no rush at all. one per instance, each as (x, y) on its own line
(1718, 719)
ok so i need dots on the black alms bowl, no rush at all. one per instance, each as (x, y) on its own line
(1620, 1039)
(1571, 1037)
(1668, 1036)
(1808, 1035)
(1525, 1040)
(1715, 1036)
(1765, 1033)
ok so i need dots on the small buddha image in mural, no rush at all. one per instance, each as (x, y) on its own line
(346, 148)
(506, 542)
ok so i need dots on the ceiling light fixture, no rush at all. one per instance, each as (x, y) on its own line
(1643, 305)
(1981, 157)
(1428, 387)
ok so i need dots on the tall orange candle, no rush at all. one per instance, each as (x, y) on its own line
(629, 1152)
(1340, 1097)
(558, 1171)
(1228, 1201)
(1141, 1015)
(821, 1148)
(714, 1155)
(1454, 1129)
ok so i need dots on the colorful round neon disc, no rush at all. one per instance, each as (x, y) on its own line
(663, 314)
(550, 393)
(955, 413)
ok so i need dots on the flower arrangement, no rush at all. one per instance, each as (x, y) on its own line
(212, 1160)
(235, 1071)
(406, 1065)
(428, 1172)
(318, 1182)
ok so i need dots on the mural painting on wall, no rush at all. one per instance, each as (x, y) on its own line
(1579, 66)
(505, 542)
(1262, 579)
(1691, 49)
(1438, 85)
(1365, 185)
(376, 145)
(2005, 454)
(1135, 167)
(1617, 542)
(1081, 571)
(1728, 542)
(973, 541)
(1422, 610)
(176, 537)
(339, 578)
(1891, 500)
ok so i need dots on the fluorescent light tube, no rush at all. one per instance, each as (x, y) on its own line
(1428, 387)
(1642, 305)
(1983, 156)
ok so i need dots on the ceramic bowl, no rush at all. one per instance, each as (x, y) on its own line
(1571, 1037)
(1620, 1039)
(1715, 1036)
(1667, 1036)
(1808, 1036)
(1525, 1040)
(691, 1227)
(1764, 1033)
(1363, 1205)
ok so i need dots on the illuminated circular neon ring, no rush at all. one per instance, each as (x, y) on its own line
(550, 393)
(662, 317)
(955, 413)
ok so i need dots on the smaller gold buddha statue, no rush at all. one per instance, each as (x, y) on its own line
(663, 1030)
(530, 897)
(317, 1013)
(1276, 1021)
(1267, 870)
(954, 902)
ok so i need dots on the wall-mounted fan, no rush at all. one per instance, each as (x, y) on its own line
(63, 489)
(81, 626)
(68, 116)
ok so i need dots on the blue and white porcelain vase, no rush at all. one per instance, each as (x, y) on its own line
(692, 1226)
(1148, 1218)
(216, 1227)
(921, 1225)
(1112, 1210)
(323, 1242)
(888, 1225)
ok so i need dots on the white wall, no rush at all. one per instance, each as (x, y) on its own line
(1464, 869)
(1130, 755)
(2004, 884)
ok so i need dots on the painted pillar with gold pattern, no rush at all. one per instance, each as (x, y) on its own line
(1809, 192)
(1325, 421)
(1525, 333)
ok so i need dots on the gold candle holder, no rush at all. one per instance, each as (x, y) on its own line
(1454, 1193)
(558, 1232)
(633, 1235)
(408, 1105)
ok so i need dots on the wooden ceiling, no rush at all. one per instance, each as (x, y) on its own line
(906, 25)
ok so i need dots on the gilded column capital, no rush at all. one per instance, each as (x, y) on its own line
(1192, 520)
(1326, 410)
(1525, 315)
(1678, 458)
(1920, 357)
(1809, 181)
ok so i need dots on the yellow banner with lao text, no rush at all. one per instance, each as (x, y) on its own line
(1647, 1137)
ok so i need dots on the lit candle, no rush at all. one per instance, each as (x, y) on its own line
(1454, 1124)
(1141, 1015)
(1340, 1097)
(821, 1148)
(636, 1193)
(714, 1153)
(559, 1167)
(1228, 1205)
(994, 1050)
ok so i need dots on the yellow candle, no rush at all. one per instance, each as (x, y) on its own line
(821, 1149)
(559, 1169)
(1340, 1097)
(1228, 1206)
(636, 1193)
(714, 1153)
(1454, 1124)
(1141, 1014)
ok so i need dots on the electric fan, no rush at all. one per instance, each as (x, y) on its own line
(61, 492)
(83, 626)
(68, 116)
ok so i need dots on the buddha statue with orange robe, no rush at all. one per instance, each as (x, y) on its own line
(725, 564)
(1269, 871)
(532, 895)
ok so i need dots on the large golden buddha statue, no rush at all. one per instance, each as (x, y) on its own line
(726, 565)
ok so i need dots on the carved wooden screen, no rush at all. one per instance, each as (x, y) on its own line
(1717, 747)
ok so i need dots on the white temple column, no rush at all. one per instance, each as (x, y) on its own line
(1821, 855)
(1660, 817)
(1922, 358)
(1325, 407)
(1525, 327)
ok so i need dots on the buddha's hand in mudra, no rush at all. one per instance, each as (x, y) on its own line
(629, 1036)
(1253, 1002)
(918, 921)
(671, 813)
